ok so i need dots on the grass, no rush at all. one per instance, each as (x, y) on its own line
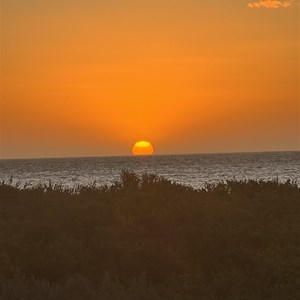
(146, 237)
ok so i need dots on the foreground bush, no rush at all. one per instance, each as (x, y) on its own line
(148, 238)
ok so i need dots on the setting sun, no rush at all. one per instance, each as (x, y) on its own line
(142, 148)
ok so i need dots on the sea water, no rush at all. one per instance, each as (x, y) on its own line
(192, 170)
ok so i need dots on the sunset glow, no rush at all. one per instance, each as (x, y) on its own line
(86, 78)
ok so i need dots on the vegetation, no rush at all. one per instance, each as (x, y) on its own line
(148, 238)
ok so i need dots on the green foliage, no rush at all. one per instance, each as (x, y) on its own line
(146, 237)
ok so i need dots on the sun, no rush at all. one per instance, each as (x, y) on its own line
(142, 148)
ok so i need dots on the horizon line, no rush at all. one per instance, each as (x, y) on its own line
(162, 154)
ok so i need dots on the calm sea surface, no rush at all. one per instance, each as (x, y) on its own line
(193, 170)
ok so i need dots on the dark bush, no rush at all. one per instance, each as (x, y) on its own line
(146, 237)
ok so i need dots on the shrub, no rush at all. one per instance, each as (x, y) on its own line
(146, 237)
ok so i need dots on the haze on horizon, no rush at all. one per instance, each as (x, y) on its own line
(90, 78)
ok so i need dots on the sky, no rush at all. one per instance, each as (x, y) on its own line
(91, 78)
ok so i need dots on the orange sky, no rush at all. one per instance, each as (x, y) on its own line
(90, 78)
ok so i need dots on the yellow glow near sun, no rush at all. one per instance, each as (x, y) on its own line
(142, 148)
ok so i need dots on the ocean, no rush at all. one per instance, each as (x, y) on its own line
(192, 170)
